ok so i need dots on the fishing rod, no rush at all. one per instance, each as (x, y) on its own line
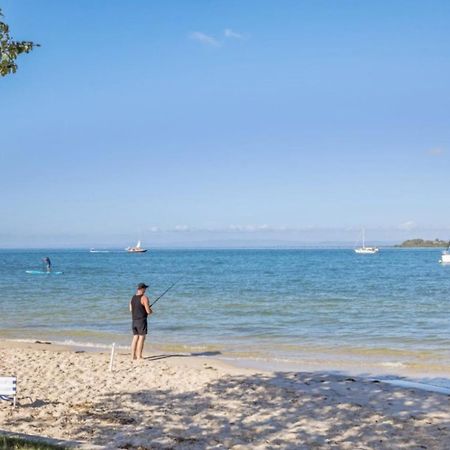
(165, 292)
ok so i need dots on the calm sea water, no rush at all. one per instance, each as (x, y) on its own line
(293, 306)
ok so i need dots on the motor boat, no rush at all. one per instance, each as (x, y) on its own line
(445, 257)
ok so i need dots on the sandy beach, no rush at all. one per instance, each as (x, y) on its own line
(192, 402)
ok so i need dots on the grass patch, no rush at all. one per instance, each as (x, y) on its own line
(15, 443)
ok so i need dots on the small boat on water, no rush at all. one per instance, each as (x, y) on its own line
(136, 249)
(445, 257)
(366, 250)
(93, 250)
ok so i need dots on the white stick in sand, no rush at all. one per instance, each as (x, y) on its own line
(112, 357)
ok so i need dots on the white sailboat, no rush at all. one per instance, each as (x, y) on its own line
(366, 250)
(136, 249)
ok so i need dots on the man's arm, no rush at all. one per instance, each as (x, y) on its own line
(145, 304)
(130, 307)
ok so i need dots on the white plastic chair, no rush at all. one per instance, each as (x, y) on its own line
(8, 389)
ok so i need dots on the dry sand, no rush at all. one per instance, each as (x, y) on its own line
(191, 402)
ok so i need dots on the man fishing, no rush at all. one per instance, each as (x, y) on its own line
(140, 309)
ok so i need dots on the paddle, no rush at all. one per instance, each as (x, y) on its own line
(165, 292)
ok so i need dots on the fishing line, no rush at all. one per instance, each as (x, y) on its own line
(165, 292)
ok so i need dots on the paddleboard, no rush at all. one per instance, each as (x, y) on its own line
(42, 272)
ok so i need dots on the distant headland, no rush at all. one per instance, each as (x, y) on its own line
(423, 243)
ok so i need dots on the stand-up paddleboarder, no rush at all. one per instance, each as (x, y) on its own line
(140, 309)
(47, 264)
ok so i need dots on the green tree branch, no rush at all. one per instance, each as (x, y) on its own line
(10, 50)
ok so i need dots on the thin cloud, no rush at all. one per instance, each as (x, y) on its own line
(260, 228)
(182, 228)
(229, 33)
(204, 39)
(249, 228)
(407, 226)
(437, 151)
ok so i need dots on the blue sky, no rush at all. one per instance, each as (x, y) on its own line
(178, 122)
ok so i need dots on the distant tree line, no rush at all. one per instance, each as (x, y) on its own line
(424, 243)
(10, 49)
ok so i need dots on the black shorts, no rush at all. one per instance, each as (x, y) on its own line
(139, 327)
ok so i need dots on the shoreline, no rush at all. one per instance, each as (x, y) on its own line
(395, 373)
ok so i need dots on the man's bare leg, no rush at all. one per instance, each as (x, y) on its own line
(134, 343)
(140, 346)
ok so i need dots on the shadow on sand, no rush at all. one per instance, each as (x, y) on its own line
(289, 411)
